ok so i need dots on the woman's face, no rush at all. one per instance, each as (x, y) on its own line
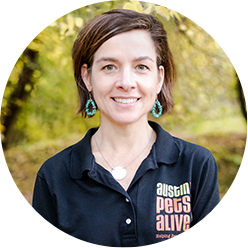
(124, 77)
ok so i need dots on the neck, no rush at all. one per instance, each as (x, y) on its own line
(123, 138)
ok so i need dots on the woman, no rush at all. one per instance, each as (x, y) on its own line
(128, 182)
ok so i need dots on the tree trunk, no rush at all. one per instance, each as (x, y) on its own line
(23, 89)
(241, 98)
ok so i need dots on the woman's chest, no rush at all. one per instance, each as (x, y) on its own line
(153, 209)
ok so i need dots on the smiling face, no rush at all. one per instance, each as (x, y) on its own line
(124, 77)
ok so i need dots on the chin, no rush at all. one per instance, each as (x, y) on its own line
(127, 119)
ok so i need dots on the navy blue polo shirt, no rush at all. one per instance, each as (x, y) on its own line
(174, 188)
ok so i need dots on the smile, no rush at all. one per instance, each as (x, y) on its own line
(126, 100)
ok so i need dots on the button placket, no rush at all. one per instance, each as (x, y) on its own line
(128, 229)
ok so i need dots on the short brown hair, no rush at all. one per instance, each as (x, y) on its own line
(114, 22)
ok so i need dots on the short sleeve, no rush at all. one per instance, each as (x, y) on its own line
(205, 190)
(44, 228)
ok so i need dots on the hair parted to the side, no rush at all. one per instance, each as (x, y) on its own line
(109, 24)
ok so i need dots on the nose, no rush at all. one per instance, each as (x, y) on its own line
(126, 80)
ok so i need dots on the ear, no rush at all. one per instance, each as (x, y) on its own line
(160, 78)
(86, 77)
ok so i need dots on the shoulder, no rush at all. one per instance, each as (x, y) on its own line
(199, 159)
(170, 149)
(191, 149)
(56, 164)
(71, 161)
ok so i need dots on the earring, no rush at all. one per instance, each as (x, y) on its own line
(157, 105)
(93, 107)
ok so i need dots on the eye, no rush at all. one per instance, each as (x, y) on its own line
(109, 68)
(142, 67)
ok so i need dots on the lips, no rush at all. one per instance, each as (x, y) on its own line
(125, 100)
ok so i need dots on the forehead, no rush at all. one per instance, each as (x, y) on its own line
(134, 43)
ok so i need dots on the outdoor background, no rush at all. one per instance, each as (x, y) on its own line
(38, 115)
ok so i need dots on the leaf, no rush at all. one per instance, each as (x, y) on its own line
(136, 6)
(78, 22)
(175, 14)
(183, 27)
(70, 22)
(4, 28)
(2, 128)
(82, 2)
(51, 22)
(163, 12)
(149, 8)
(128, 6)
(63, 28)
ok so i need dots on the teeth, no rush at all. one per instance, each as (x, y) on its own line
(122, 100)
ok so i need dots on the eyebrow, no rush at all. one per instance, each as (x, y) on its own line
(141, 58)
(107, 59)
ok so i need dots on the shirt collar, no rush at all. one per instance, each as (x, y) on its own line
(165, 151)
(81, 156)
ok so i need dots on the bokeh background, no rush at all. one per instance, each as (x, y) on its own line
(38, 114)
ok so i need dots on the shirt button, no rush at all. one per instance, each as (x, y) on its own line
(128, 221)
(127, 200)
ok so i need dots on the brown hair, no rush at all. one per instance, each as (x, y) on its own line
(114, 22)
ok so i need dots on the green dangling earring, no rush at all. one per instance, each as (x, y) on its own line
(157, 105)
(93, 107)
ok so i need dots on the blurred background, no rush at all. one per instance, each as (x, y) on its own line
(39, 106)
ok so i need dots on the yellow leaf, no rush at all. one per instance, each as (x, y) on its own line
(79, 22)
(82, 2)
(51, 22)
(175, 14)
(149, 8)
(183, 27)
(190, 33)
(128, 6)
(70, 22)
(2, 128)
(135, 5)
(163, 12)
(63, 28)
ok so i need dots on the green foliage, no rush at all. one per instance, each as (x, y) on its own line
(41, 26)
(205, 89)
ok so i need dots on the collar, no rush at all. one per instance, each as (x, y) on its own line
(165, 150)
